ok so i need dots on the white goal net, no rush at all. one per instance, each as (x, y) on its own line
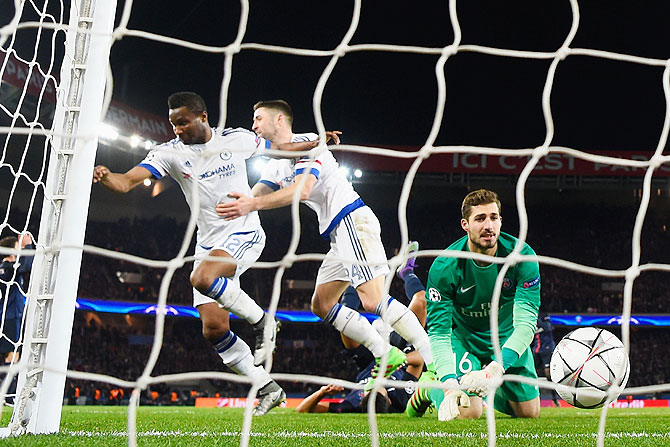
(62, 65)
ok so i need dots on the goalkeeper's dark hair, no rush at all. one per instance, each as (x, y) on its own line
(192, 101)
(278, 105)
(8, 241)
(381, 403)
(479, 197)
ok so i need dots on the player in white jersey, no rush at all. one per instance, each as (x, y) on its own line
(352, 229)
(220, 170)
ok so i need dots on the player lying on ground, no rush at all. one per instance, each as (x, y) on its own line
(390, 398)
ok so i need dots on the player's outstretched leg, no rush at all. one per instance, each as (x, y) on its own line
(414, 288)
(265, 333)
(407, 325)
(355, 326)
(232, 298)
(410, 262)
(270, 396)
(420, 401)
(396, 359)
(236, 355)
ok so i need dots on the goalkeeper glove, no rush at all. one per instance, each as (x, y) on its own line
(479, 382)
(453, 398)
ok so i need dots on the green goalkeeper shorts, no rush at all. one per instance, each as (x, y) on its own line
(508, 391)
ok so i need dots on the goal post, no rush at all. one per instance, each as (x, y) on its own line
(52, 293)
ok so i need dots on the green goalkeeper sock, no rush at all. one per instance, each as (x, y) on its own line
(436, 396)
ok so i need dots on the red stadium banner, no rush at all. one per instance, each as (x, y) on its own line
(133, 121)
(292, 402)
(157, 128)
(237, 402)
(19, 76)
(621, 403)
(467, 163)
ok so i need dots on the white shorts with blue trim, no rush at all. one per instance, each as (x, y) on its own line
(245, 247)
(356, 253)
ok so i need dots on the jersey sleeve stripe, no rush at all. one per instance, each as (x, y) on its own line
(269, 184)
(315, 172)
(151, 169)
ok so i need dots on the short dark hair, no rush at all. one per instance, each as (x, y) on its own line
(192, 101)
(278, 105)
(8, 241)
(381, 402)
(479, 197)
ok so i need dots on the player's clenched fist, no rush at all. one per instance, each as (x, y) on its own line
(99, 172)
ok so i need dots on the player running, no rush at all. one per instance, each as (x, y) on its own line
(216, 288)
(352, 229)
(458, 303)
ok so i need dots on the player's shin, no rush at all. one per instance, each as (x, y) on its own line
(229, 295)
(405, 323)
(355, 326)
(236, 355)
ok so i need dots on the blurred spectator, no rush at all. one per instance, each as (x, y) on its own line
(14, 277)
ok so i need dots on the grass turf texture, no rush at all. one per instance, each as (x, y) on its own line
(194, 427)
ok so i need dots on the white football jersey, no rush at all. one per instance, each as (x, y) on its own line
(215, 176)
(332, 197)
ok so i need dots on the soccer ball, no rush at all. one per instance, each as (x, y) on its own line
(591, 360)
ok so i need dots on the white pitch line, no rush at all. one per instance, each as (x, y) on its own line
(348, 435)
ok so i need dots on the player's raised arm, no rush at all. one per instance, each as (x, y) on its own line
(120, 182)
(313, 404)
(301, 146)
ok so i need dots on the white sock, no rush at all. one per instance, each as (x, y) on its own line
(407, 325)
(357, 327)
(229, 294)
(236, 355)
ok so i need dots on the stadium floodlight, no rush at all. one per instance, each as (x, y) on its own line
(108, 132)
(345, 170)
(147, 182)
(148, 144)
(358, 173)
(135, 141)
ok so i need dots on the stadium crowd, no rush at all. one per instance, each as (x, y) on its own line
(119, 346)
(563, 290)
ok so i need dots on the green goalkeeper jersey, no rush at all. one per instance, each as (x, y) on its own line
(458, 296)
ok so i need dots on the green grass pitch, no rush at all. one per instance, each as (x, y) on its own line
(194, 427)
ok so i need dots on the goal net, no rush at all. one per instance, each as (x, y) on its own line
(57, 87)
(53, 69)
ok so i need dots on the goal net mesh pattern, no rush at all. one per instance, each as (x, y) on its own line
(31, 56)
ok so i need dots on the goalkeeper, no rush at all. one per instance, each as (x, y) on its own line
(458, 298)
